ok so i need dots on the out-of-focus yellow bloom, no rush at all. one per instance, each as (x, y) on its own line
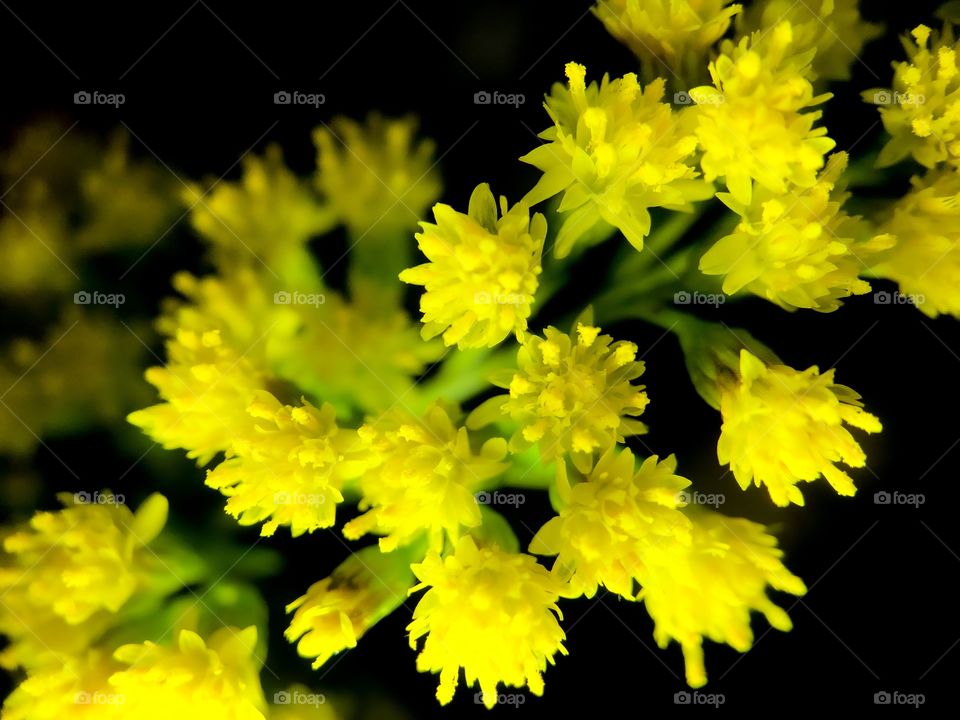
(482, 275)
(708, 588)
(34, 247)
(263, 221)
(196, 679)
(751, 124)
(377, 175)
(425, 479)
(336, 611)
(833, 27)
(799, 249)
(671, 35)
(615, 151)
(287, 466)
(920, 112)
(608, 522)
(570, 395)
(491, 612)
(926, 258)
(782, 427)
(66, 574)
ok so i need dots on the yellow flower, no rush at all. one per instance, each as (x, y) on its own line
(920, 111)
(608, 522)
(65, 575)
(34, 246)
(751, 124)
(926, 258)
(708, 588)
(425, 479)
(288, 466)
(833, 27)
(336, 611)
(615, 151)
(570, 395)
(376, 176)
(491, 612)
(482, 275)
(782, 427)
(799, 249)
(668, 35)
(197, 679)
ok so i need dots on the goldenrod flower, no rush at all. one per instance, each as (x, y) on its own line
(197, 679)
(920, 110)
(336, 611)
(570, 395)
(491, 612)
(751, 122)
(607, 523)
(709, 587)
(33, 243)
(425, 479)
(482, 275)
(287, 466)
(65, 575)
(668, 35)
(833, 28)
(782, 427)
(615, 151)
(926, 258)
(798, 249)
(376, 176)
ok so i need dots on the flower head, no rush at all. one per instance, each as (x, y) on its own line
(920, 112)
(782, 427)
(615, 151)
(709, 587)
(489, 611)
(570, 394)
(424, 480)
(607, 522)
(798, 249)
(482, 275)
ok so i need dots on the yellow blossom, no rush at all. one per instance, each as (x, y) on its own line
(751, 122)
(65, 575)
(668, 35)
(287, 466)
(799, 249)
(920, 111)
(782, 427)
(615, 151)
(425, 479)
(491, 612)
(35, 255)
(570, 395)
(482, 275)
(926, 258)
(376, 176)
(607, 523)
(708, 588)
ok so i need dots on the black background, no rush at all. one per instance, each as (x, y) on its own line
(199, 81)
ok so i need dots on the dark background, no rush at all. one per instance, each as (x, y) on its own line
(199, 81)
